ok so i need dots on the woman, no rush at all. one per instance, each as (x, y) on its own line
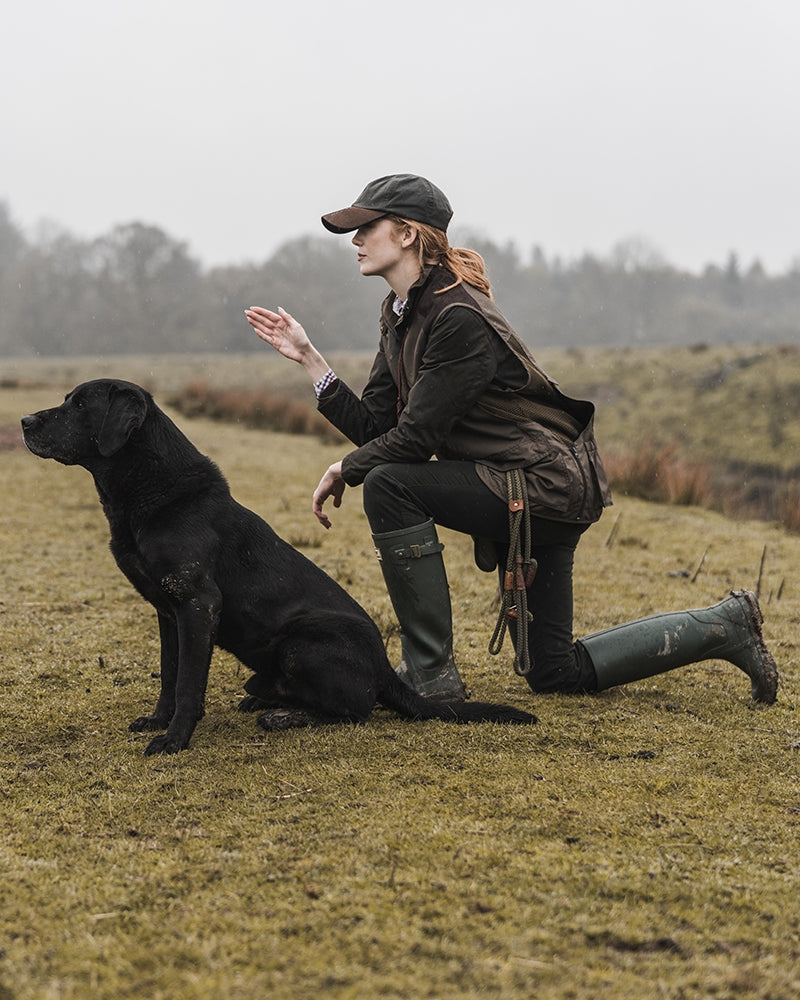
(452, 380)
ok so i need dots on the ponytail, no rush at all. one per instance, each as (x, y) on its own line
(433, 248)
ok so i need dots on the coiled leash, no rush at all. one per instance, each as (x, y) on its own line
(519, 574)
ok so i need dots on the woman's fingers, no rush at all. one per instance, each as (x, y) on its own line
(331, 485)
(280, 330)
(262, 320)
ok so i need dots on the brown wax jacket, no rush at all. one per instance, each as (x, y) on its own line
(436, 388)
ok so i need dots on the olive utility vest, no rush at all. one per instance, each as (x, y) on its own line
(544, 432)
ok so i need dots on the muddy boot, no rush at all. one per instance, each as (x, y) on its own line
(730, 630)
(413, 568)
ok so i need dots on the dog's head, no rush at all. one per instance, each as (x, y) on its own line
(95, 421)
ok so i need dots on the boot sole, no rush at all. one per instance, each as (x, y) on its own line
(764, 687)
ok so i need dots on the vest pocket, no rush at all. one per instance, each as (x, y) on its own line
(555, 480)
(563, 479)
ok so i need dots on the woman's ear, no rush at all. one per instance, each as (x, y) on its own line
(408, 235)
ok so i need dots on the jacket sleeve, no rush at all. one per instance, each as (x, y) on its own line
(361, 420)
(457, 367)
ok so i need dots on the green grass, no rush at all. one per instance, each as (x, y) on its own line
(642, 841)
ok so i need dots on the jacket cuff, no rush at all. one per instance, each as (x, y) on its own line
(328, 392)
(352, 476)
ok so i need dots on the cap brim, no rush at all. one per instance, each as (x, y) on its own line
(346, 220)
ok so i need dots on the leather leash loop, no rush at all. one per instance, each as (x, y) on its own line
(519, 575)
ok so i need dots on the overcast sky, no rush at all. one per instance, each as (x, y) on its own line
(233, 125)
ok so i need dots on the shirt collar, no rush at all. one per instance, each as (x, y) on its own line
(401, 309)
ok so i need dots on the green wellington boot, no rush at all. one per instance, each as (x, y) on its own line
(730, 630)
(413, 568)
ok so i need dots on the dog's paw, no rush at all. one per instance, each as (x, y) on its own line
(164, 744)
(285, 718)
(148, 724)
(252, 704)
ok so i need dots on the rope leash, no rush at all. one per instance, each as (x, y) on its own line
(519, 574)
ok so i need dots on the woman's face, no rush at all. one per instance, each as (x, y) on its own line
(381, 247)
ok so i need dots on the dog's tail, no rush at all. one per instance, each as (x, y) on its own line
(400, 698)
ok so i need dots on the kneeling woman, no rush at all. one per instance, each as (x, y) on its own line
(451, 379)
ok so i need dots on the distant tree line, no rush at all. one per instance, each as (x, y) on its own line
(138, 290)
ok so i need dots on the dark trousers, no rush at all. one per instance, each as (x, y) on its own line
(402, 496)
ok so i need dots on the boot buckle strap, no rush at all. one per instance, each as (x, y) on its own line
(416, 551)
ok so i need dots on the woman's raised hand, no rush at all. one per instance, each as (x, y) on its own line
(285, 334)
(281, 331)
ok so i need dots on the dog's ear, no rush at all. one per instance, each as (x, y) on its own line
(127, 408)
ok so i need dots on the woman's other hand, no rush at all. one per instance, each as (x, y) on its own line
(331, 485)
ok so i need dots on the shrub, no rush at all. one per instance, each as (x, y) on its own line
(657, 474)
(789, 507)
(257, 408)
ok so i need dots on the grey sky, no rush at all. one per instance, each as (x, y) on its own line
(234, 124)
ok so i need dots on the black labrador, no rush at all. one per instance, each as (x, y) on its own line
(217, 574)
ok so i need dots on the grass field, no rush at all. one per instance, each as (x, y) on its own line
(634, 843)
(723, 403)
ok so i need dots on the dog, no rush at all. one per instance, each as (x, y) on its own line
(218, 575)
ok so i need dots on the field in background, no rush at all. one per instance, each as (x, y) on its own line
(733, 404)
(711, 426)
(643, 840)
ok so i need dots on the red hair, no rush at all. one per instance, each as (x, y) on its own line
(433, 247)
